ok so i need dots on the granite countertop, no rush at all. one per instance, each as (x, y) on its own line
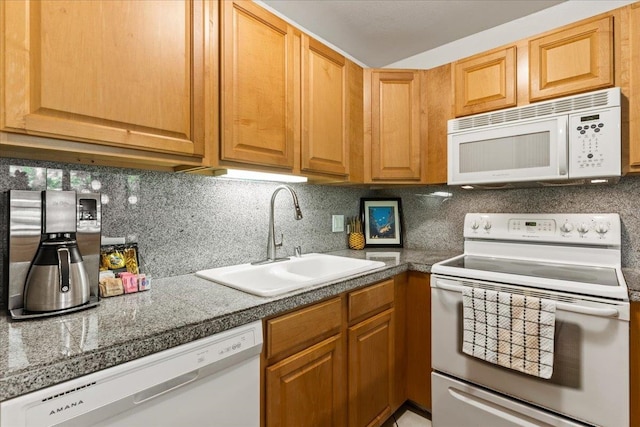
(38, 353)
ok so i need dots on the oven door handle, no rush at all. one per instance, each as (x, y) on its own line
(600, 312)
(495, 409)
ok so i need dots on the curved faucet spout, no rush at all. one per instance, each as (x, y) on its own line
(271, 240)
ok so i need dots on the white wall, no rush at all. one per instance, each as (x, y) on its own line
(536, 23)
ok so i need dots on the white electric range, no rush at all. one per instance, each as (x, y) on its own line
(571, 259)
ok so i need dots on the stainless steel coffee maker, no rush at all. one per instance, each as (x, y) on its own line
(53, 251)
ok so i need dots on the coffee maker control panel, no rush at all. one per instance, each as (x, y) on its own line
(59, 212)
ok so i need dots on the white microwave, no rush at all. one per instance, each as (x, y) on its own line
(576, 139)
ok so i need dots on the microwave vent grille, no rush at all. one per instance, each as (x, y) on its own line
(568, 105)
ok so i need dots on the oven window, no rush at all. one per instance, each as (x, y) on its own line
(572, 273)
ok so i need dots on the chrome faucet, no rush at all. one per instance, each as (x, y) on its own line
(271, 239)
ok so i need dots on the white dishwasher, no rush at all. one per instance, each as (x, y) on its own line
(214, 381)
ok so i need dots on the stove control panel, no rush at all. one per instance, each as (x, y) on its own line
(591, 229)
(532, 226)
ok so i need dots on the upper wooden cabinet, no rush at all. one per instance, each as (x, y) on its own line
(486, 81)
(257, 86)
(405, 127)
(393, 141)
(575, 59)
(286, 99)
(325, 144)
(437, 98)
(123, 74)
(632, 132)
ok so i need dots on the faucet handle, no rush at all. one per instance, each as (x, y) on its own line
(279, 245)
(297, 251)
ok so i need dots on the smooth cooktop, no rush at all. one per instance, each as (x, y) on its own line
(545, 270)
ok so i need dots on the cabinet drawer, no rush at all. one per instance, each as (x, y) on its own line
(291, 332)
(370, 300)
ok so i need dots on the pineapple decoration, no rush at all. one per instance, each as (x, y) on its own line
(356, 237)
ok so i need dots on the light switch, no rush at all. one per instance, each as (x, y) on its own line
(337, 223)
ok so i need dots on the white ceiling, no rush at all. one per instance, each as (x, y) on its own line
(381, 32)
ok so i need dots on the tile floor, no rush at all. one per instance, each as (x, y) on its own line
(409, 416)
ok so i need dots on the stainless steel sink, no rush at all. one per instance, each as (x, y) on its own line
(281, 277)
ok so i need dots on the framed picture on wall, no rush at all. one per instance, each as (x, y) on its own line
(382, 219)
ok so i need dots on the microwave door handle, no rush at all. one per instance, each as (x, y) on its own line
(573, 308)
(563, 145)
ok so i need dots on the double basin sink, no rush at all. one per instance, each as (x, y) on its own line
(277, 278)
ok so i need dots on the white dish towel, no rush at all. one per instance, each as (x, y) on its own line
(510, 330)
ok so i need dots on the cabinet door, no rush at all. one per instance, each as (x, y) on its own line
(634, 368)
(395, 126)
(575, 59)
(306, 388)
(486, 82)
(371, 367)
(120, 73)
(419, 339)
(437, 98)
(258, 66)
(324, 109)
(634, 89)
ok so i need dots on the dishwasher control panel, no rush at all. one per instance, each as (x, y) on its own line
(227, 347)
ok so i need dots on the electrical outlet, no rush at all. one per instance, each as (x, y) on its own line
(337, 223)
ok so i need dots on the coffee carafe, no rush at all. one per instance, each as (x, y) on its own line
(57, 277)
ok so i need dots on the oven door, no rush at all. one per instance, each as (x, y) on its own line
(590, 380)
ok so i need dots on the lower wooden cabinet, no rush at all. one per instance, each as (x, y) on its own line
(418, 339)
(634, 365)
(306, 389)
(354, 376)
(371, 368)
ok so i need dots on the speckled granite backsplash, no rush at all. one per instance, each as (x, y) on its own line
(184, 223)
(434, 222)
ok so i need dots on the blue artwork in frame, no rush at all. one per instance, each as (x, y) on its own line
(382, 219)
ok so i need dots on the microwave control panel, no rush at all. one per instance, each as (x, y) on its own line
(594, 143)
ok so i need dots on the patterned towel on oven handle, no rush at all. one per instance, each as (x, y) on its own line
(510, 330)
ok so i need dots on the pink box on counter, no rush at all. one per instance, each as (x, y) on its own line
(129, 282)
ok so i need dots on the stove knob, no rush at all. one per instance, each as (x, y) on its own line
(583, 229)
(475, 224)
(567, 227)
(487, 225)
(601, 228)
